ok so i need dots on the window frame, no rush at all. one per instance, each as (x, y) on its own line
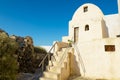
(85, 9)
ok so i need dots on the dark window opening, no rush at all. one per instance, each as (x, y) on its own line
(109, 48)
(85, 9)
(87, 28)
(117, 35)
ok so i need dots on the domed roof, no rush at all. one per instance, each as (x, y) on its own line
(87, 11)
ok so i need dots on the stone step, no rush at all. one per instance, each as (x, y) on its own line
(57, 64)
(50, 63)
(58, 60)
(55, 60)
(44, 78)
(52, 75)
(55, 69)
(55, 56)
(59, 53)
(53, 63)
(64, 49)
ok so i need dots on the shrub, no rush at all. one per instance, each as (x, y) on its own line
(39, 54)
(8, 60)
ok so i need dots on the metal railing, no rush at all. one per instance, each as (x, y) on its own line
(47, 57)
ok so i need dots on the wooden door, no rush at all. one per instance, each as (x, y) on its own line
(76, 34)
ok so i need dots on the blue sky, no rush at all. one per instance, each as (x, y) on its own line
(44, 20)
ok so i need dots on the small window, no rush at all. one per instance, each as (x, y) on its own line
(87, 28)
(117, 35)
(109, 48)
(85, 9)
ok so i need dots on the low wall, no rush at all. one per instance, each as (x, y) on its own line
(66, 70)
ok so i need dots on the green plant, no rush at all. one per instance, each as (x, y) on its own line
(70, 43)
(39, 54)
(8, 60)
(8, 67)
(40, 50)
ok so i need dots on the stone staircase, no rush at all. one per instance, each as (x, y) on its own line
(58, 66)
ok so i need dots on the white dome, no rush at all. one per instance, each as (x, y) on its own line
(93, 12)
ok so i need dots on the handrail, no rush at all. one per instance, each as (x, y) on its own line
(52, 47)
(47, 55)
(80, 58)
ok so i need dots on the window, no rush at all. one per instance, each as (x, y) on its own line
(117, 35)
(109, 48)
(86, 27)
(85, 9)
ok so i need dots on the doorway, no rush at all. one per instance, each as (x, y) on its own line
(76, 34)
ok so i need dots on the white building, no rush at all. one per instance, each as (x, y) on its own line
(97, 37)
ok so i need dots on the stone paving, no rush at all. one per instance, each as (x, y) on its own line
(29, 76)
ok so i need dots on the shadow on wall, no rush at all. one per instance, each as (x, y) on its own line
(105, 30)
(74, 67)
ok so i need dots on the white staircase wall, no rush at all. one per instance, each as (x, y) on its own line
(55, 70)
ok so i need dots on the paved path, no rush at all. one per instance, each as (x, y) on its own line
(29, 76)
